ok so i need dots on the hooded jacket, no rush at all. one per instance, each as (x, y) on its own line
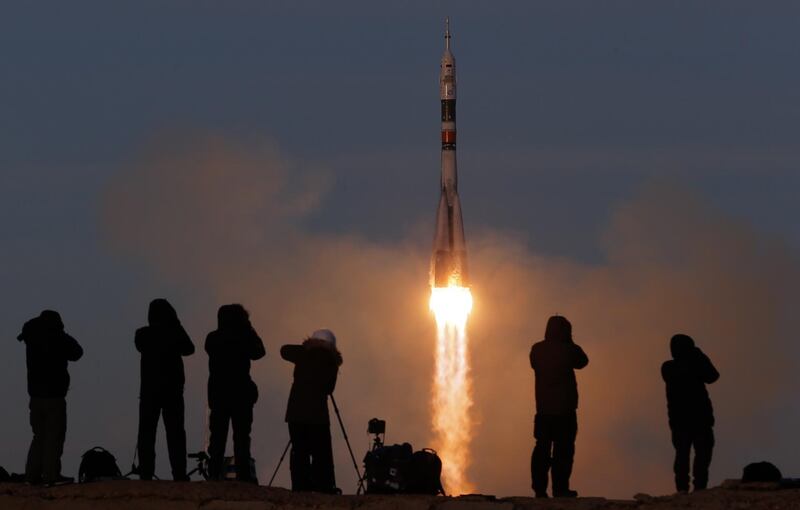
(163, 343)
(554, 360)
(230, 349)
(48, 350)
(316, 368)
(686, 376)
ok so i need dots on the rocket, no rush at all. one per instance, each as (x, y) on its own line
(449, 258)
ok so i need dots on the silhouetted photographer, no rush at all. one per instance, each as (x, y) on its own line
(554, 360)
(231, 392)
(48, 349)
(691, 416)
(316, 367)
(162, 343)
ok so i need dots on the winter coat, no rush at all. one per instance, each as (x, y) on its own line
(162, 348)
(48, 350)
(554, 361)
(686, 376)
(230, 351)
(316, 368)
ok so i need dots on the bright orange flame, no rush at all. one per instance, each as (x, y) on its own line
(452, 397)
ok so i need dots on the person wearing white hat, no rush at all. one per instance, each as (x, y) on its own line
(316, 368)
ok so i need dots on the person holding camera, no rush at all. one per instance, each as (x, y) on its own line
(48, 350)
(316, 367)
(691, 416)
(163, 343)
(554, 361)
(231, 392)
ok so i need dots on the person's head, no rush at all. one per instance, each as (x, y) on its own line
(232, 316)
(51, 320)
(558, 329)
(324, 335)
(161, 313)
(681, 346)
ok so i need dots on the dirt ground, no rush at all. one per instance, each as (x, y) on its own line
(129, 495)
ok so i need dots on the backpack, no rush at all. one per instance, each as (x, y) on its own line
(424, 472)
(385, 468)
(97, 465)
(761, 472)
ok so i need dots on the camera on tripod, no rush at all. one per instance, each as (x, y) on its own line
(376, 426)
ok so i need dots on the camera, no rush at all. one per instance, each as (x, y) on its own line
(376, 426)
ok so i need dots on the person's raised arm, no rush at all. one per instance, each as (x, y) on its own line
(579, 358)
(332, 373)
(706, 370)
(140, 340)
(184, 341)
(291, 352)
(212, 344)
(255, 347)
(72, 349)
(27, 329)
(330, 381)
(666, 371)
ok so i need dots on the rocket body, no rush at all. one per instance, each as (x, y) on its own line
(449, 258)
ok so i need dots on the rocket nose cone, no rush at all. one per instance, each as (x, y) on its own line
(447, 56)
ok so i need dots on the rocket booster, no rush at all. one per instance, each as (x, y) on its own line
(449, 259)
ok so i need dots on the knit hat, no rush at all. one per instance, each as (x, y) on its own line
(326, 335)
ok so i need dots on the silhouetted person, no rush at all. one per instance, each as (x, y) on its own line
(163, 343)
(231, 392)
(691, 417)
(316, 367)
(48, 350)
(554, 360)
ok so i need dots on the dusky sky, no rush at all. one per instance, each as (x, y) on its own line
(574, 118)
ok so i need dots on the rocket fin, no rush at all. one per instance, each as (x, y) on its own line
(458, 245)
(440, 259)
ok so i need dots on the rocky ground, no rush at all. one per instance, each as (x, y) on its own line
(129, 495)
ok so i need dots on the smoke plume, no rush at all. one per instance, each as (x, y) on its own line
(227, 223)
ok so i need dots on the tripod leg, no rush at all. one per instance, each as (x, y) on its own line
(347, 441)
(134, 468)
(279, 463)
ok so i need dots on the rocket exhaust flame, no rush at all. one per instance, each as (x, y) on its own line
(452, 392)
(451, 302)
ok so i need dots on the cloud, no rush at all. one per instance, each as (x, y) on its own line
(226, 222)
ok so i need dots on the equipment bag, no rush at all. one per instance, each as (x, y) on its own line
(97, 465)
(761, 472)
(385, 468)
(424, 473)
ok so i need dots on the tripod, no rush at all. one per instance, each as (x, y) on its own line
(279, 463)
(346, 440)
(377, 441)
(202, 464)
(134, 468)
